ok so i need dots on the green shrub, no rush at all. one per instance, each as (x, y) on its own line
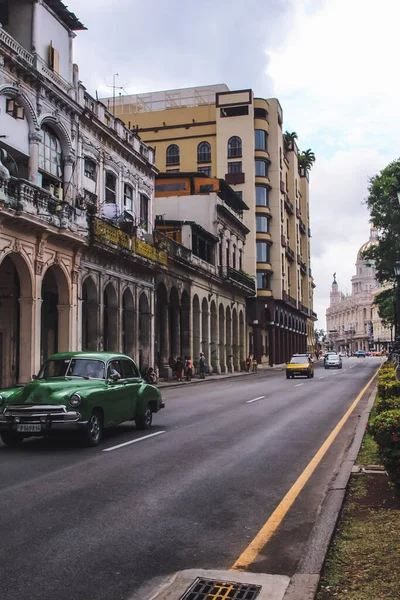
(385, 429)
(384, 404)
(387, 389)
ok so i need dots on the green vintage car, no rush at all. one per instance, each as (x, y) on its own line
(83, 392)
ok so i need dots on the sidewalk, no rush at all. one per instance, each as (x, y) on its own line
(215, 377)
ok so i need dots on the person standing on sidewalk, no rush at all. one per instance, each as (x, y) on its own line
(179, 369)
(189, 369)
(202, 366)
(255, 365)
(249, 360)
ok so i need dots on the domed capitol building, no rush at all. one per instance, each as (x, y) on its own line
(352, 320)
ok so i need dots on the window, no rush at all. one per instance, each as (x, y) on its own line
(173, 170)
(14, 109)
(111, 187)
(206, 170)
(234, 111)
(173, 155)
(171, 187)
(128, 197)
(202, 248)
(260, 113)
(260, 139)
(54, 59)
(144, 210)
(115, 365)
(234, 147)
(261, 196)
(261, 168)
(263, 254)
(262, 224)
(4, 13)
(50, 157)
(235, 167)
(204, 152)
(129, 369)
(263, 280)
(227, 247)
(234, 256)
(240, 259)
(90, 169)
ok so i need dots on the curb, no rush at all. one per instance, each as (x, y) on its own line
(211, 379)
(304, 583)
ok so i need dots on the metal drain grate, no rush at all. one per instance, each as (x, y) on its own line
(208, 589)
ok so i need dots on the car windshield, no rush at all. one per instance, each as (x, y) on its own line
(72, 367)
(299, 360)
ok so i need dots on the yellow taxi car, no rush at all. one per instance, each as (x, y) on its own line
(300, 364)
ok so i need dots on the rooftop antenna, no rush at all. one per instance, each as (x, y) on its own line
(114, 88)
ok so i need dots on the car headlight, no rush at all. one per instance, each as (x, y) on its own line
(75, 400)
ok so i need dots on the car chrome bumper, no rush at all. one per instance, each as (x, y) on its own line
(49, 418)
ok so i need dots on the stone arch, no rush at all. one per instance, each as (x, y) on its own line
(185, 323)
(214, 337)
(174, 323)
(235, 340)
(16, 321)
(228, 344)
(144, 332)
(242, 356)
(18, 94)
(90, 315)
(196, 328)
(110, 318)
(55, 312)
(205, 330)
(62, 132)
(222, 353)
(128, 323)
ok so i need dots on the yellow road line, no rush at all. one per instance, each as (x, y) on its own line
(266, 532)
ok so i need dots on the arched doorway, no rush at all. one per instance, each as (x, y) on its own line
(229, 355)
(222, 353)
(185, 324)
(128, 323)
(205, 341)
(174, 324)
(110, 319)
(235, 341)
(90, 312)
(241, 340)
(16, 320)
(144, 332)
(214, 338)
(196, 329)
(55, 313)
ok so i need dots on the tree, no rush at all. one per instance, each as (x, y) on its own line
(385, 304)
(288, 140)
(384, 209)
(306, 159)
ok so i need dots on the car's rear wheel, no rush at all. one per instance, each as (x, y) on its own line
(145, 420)
(12, 439)
(94, 430)
(287, 376)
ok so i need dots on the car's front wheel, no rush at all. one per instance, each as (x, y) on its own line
(12, 439)
(94, 430)
(145, 420)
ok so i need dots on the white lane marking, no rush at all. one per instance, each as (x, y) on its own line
(321, 377)
(298, 384)
(145, 437)
(255, 399)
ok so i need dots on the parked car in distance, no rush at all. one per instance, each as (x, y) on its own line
(360, 354)
(299, 364)
(328, 353)
(333, 360)
(82, 392)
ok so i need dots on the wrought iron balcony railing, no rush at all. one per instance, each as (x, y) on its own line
(238, 277)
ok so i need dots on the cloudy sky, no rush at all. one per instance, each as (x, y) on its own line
(331, 63)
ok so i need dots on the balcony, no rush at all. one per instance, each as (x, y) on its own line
(38, 207)
(288, 205)
(302, 226)
(9, 41)
(108, 235)
(172, 248)
(234, 178)
(283, 241)
(304, 309)
(289, 253)
(303, 268)
(282, 184)
(238, 277)
(289, 299)
(313, 314)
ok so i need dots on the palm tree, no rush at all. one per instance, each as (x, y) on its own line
(306, 159)
(288, 140)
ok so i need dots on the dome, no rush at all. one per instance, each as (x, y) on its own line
(373, 241)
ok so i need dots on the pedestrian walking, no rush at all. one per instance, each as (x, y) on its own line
(189, 369)
(202, 366)
(255, 365)
(179, 366)
(249, 360)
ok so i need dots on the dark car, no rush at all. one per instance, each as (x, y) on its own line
(360, 354)
(83, 392)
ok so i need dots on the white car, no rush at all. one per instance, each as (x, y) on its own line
(333, 360)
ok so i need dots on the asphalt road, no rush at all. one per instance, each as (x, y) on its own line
(85, 524)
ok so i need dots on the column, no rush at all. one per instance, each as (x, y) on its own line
(165, 370)
(101, 313)
(33, 163)
(26, 346)
(64, 324)
(69, 162)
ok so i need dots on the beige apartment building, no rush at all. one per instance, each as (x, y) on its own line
(234, 136)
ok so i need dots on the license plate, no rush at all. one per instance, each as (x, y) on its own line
(29, 428)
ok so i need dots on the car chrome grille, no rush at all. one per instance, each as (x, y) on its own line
(31, 413)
